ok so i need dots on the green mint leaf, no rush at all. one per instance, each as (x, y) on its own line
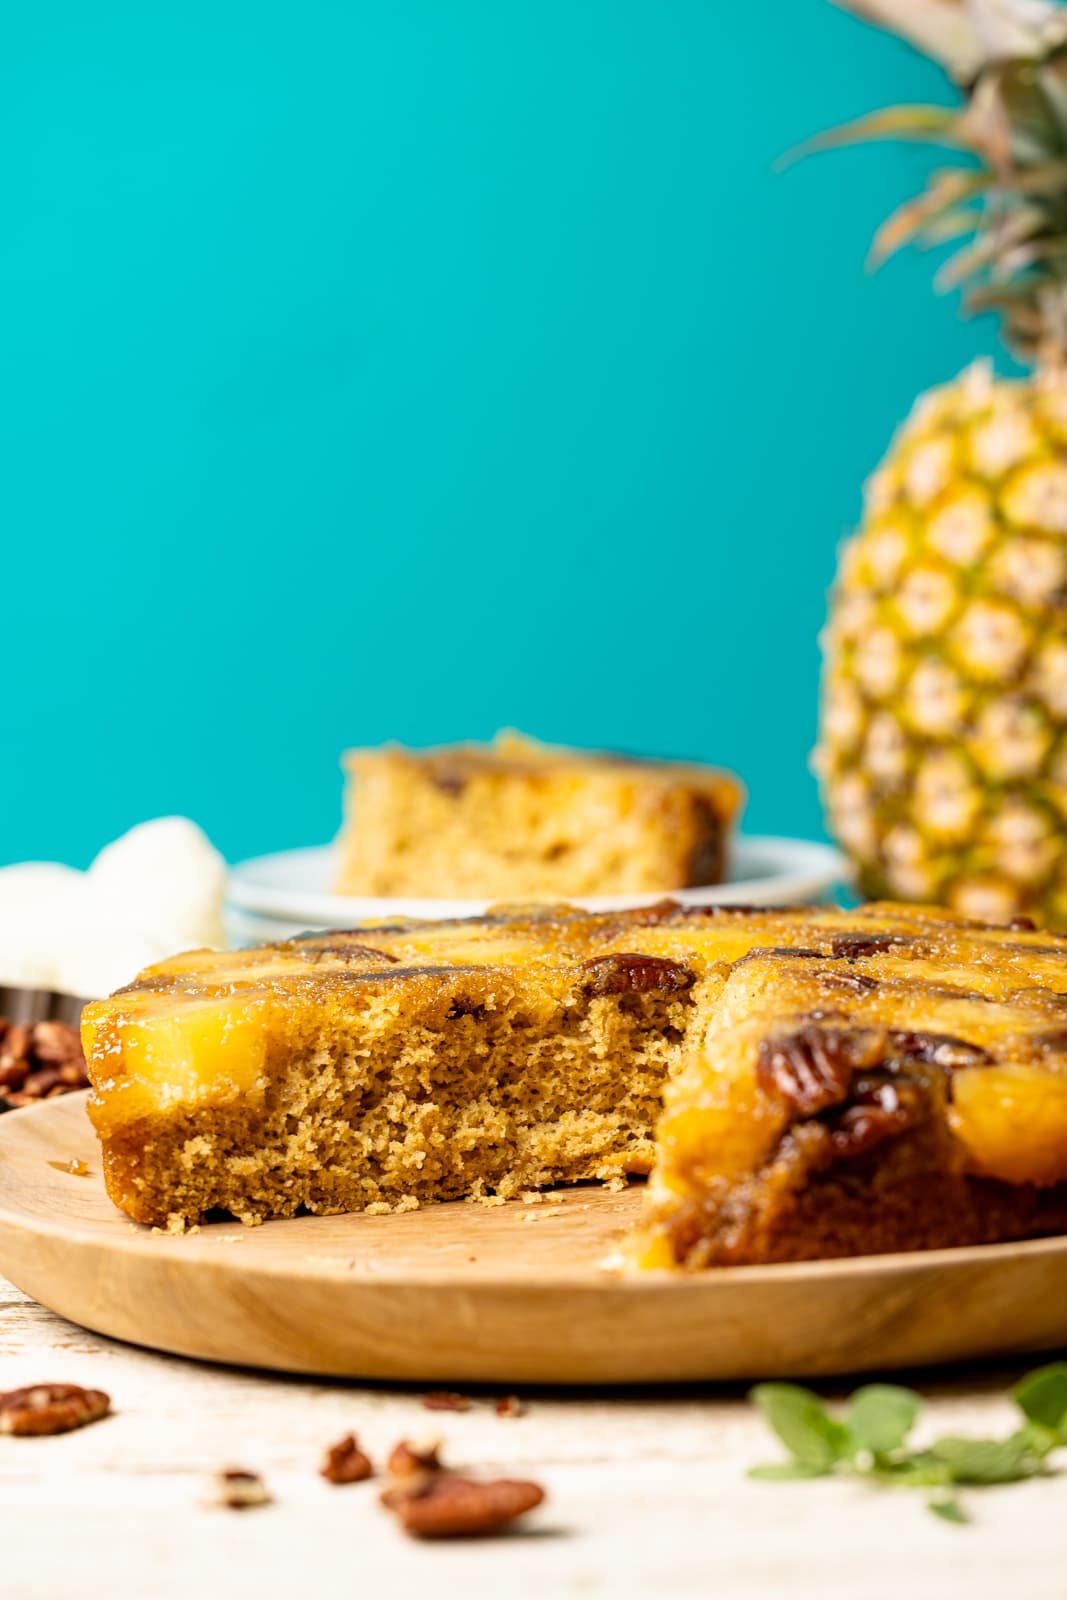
(880, 1417)
(803, 1424)
(979, 1461)
(1042, 1395)
(785, 1471)
(919, 1471)
(949, 1510)
(1042, 1440)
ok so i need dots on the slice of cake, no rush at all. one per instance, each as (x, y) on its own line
(386, 1066)
(897, 1086)
(517, 820)
(835, 1081)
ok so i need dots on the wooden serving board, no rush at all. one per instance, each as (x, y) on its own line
(513, 1294)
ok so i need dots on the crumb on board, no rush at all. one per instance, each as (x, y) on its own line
(177, 1225)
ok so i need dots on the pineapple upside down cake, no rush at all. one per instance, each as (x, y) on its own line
(799, 1083)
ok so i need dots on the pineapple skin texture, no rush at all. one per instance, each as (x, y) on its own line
(943, 735)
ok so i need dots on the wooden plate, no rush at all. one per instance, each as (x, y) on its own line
(505, 1295)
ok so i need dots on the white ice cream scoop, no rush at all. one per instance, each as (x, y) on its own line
(155, 891)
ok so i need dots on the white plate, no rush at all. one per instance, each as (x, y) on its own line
(278, 895)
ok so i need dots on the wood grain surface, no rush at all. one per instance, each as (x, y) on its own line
(511, 1294)
(647, 1493)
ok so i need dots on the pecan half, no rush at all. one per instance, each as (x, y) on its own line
(627, 972)
(345, 1462)
(884, 1112)
(452, 1507)
(433, 1503)
(813, 1068)
(43, 1408)
(445, 1400)
(234, 1489)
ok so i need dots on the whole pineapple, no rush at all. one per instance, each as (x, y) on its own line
(943, 743)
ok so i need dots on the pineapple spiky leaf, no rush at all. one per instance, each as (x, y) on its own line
(1012, 198)
(915, 219)
(926, 124)
(943, 742)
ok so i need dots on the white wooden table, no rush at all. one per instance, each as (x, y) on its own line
(647, 1495)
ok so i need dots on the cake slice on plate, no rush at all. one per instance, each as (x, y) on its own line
(518, 820)
(835, 1082)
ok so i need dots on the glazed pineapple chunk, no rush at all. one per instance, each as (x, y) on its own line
(800, 1083)
(1012, 1120)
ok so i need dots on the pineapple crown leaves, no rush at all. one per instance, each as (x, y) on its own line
(1010, 201)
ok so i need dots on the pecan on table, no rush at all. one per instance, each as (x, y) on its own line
(345, 1462)
(431, 1502)
(234, 1489)
(445, 1400)
(43, 1408)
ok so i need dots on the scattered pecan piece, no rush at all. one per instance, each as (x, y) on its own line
(445, 1400)
(626, 972)
(466, 1508)
(510, 1405)
(234, 1489)
(432, 1503)
(411, 1463)
(345, 1462)
(43, 1408)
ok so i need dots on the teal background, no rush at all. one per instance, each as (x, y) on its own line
(405, 369)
